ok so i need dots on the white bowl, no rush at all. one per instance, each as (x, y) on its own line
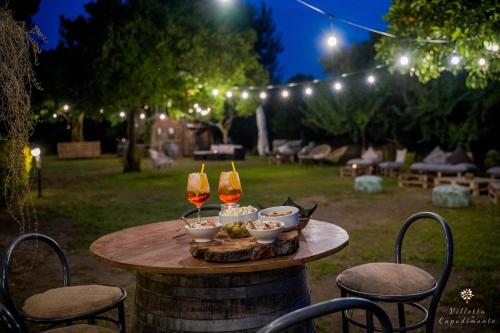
(266, 236)
(228, 219)
(291, 221)
(203, 235)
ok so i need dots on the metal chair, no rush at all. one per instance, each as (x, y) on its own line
(192, 211)
(9, 321)
(78, 307)
(398, 283)
(324, 308)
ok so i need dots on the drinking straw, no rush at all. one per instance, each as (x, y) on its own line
(202, 168)
(234, 167)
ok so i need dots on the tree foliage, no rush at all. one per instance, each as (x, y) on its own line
(470, 27)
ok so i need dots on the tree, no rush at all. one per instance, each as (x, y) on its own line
(469, 27)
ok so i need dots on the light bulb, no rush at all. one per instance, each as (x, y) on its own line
(35, 152)
(215, 92)
(66, 107)
(404, 60)
(481, 62)
(196, 105)
(245, 95)
(263, 95)
(142, 116)
(122, 114)
(337, 86)
(101, 111)
(190, 110)
(331, 41)
(492, 47)
(54, 115)
(308, 91)
(163, 116)
(285, 93)
(229, 94)
(370, 79)
(455, 60)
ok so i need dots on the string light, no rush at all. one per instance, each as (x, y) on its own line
(229, 94)
(370, 79)
(190, 110)
(337, 86)
(196, 105)
(198, 110)
(142, 116)
(215, 92)
(308, 91)
(455, 60)
(263, 95)
(54, 115)
(492, 47)
(163, 116)
(101, 111)
(481, 62)
(122, 114)
(331, 41)
(245, 95)
(404, 60)
(285, 93)
(66, 107)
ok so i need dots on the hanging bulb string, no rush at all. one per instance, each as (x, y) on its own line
(331, 17)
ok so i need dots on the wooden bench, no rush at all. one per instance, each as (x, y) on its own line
(359, 170)
(78, 150)
(413, 179)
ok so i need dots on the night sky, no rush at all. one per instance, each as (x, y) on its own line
(303, 30)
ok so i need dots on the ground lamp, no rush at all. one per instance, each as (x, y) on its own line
(37, 154)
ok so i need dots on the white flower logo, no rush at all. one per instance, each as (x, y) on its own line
(466, 295)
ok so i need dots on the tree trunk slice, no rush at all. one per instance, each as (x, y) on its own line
(226, 249)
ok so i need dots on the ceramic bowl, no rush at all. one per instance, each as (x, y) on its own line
(203, 235)
(266, 236)
(228, 219)
(291, 220)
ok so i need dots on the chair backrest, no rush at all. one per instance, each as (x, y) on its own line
(448, 260)
(192, 211)
(401, 155)
(9, 321)
(4, 285)
(154, 154)
(321, 150)
(324, 308)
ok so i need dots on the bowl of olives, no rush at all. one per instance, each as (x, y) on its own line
(236, 230)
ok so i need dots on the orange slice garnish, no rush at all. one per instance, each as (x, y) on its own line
(235, 180)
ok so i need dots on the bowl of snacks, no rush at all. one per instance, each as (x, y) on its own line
(202, 231)
(238, 214)
(265, 232)
(236, 230)
(289, 215)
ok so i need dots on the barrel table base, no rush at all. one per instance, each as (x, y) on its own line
(237, 302)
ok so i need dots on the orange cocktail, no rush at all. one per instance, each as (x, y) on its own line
(198, 189)
(230, 190)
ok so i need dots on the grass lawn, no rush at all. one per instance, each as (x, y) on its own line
(83, 200)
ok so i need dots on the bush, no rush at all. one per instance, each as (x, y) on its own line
(492, 159)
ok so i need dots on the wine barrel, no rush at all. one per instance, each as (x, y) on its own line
(241, 302)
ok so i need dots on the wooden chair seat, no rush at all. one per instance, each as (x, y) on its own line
(387, 279)
(82, 329)
(71, 301)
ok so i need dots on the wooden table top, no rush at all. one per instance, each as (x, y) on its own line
(158, 248)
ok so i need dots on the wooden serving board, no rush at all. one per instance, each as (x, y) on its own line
(226, 249)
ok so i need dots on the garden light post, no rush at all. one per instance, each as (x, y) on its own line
(37, 154)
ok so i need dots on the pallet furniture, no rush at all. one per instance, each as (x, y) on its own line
(280, 158)
(356, 170)
(220, 297)
(494, 192)
(414, 179)
(221, 153)
(477, 185)
(78, 150)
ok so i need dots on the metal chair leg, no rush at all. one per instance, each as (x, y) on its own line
(369, 322)
(429, 327)
(401, 313)
(121, 317)
(345, 322)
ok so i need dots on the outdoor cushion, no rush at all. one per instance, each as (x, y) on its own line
(82, 329)
(436, 156)
(451, 196)
(369, 184)
(387, 279)
(401, 155)
(458, 156)
(278, 143)
(391, 165)
(360, 161)
(370, 154)
(494, 171)
(285, 149)
(447, 168)
(69, 301)
(307, 149)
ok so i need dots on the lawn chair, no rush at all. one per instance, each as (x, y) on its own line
(317, 154)
(160, 160)
(328, 307)
(494, 172)
(391, 168)
(66, 304)
(337, 155)
(399, 283)
(367, 164)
